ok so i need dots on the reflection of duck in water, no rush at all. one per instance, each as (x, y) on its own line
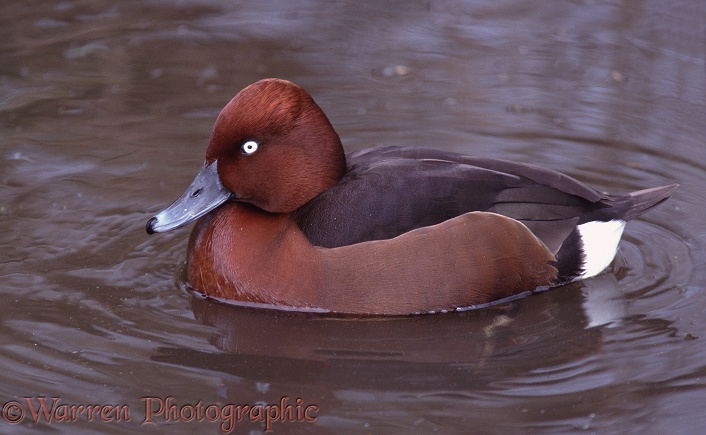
(464, 349)
(261, 356)
(292, 222)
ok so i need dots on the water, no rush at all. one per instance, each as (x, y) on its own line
(105, 109)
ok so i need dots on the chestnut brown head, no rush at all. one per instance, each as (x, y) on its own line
(275, 147)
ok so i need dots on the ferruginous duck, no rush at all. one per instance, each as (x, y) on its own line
(286, 220)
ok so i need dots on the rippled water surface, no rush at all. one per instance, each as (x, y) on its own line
(105, 109)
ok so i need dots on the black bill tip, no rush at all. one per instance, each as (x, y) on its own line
(150, 225)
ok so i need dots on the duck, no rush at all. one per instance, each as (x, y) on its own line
(285, 219)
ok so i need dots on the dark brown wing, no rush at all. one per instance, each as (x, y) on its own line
(391, 190)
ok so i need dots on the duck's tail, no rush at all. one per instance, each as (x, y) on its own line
(632, 205)
(598, 236)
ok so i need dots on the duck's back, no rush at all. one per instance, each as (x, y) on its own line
(388, 191)
(391, 190)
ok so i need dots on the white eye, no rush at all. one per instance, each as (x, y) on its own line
(249, 147)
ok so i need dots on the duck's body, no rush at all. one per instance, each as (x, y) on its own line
(399, 220)
(242, 253)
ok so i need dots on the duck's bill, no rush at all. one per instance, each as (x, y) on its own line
(203, 195)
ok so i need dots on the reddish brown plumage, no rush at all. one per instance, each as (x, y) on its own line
(244, 254)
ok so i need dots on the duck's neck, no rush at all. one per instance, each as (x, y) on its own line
(242, 253)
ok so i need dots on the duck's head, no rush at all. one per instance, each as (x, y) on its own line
(272, 146)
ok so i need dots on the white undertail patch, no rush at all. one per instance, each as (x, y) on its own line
(600, 243)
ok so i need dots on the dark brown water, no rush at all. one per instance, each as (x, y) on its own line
(105, 109)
